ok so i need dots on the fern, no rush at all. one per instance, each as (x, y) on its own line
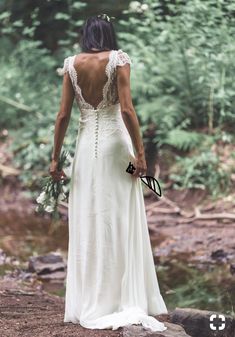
(202, 171)
(183, 140)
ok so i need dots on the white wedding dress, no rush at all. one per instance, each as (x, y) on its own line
(111, 279)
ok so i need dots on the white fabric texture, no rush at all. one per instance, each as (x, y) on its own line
(111, 279)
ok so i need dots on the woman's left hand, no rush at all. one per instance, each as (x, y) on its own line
(56, 175)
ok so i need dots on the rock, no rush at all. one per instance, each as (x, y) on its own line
(197, 322)
(232, 268)
(50, 266)
(10, 260)
(173, 330)
(218, 254)
(56, 275)
(2, 257)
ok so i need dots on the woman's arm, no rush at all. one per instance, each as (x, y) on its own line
(129, 116)
(62, 121)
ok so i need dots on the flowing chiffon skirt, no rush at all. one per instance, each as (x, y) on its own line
(111, 278)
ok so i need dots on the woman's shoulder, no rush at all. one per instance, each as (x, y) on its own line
(122, 58)
(66, 63)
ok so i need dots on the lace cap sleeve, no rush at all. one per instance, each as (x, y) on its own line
(62, 71)
(122, 58)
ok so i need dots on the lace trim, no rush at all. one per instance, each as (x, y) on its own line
(103, 124)
(122, 58)
(78, 90)
(82, 101)
(116, 58)
(65, 68)
(110, 74)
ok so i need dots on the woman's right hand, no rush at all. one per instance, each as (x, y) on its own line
(140, 165)
(55, 174)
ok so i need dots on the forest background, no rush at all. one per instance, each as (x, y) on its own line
(182, 83)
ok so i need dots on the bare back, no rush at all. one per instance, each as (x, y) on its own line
(91, 75)
(94, 78)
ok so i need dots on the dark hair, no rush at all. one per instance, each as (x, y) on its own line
(98, 33)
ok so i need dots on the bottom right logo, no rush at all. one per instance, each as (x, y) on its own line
(217, 322)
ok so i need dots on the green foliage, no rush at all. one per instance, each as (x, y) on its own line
(23, 20)
(187, 286)
(29, 74)
(26, 74)
(183, 61)
(30, 87)
(202, 170)
(183, 140)
(182, 78)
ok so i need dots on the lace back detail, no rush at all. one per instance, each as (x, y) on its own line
(78, 92)
(110, 95)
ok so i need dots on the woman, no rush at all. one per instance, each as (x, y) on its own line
(111, 279)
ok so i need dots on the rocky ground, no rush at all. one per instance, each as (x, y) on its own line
(27, 311)
(191, 226)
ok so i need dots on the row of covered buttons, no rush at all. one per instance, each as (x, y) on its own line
(96, 133)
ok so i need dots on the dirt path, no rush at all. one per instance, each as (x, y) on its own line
(27, 311)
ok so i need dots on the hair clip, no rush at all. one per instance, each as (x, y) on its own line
(105, 17)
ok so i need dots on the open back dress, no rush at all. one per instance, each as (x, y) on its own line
(111, 279)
